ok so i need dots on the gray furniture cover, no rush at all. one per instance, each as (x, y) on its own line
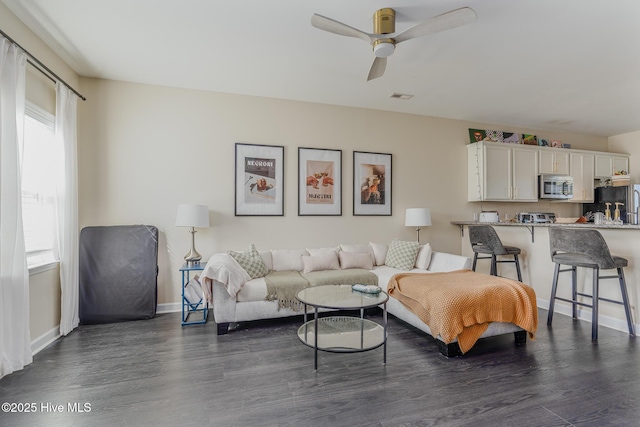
(118, 273)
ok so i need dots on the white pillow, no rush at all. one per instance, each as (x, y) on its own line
(355, 260)
(359, 249)
(379, 252)
(424, 257)
(320, 251)
(287, 259)
(326, 261)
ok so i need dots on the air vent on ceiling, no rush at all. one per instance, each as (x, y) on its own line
(400, 96)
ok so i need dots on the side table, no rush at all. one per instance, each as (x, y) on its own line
(190, 308)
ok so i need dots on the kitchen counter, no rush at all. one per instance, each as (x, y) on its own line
(555, 224)
(537, 266)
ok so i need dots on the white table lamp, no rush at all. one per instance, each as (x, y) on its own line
(417, 217)
(194, 216)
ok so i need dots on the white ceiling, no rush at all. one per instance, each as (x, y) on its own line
(570, 65)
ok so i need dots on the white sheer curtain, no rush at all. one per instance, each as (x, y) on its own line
(67, 203)
(15, 340)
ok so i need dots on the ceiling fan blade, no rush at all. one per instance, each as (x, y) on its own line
(377, 68)
(335, 27)
(446, 21)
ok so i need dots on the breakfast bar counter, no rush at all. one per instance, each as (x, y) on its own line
(537, 267)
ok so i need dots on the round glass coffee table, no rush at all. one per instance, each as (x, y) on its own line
(342, 334)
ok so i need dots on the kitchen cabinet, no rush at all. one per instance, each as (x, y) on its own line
(606, 165)
(502, 172)
(553, 161)
(582, 171)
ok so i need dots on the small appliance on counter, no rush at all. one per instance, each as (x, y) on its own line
(536, 217)
(489, 216)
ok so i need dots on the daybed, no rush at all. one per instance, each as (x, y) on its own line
(228, 285)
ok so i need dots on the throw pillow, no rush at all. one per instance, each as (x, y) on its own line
(325, 261)
(288, 259)
(355, 260)
(359, 248)
(321, 251)
(424, 257)
(402, 254)
(379, 252)
(251, 262)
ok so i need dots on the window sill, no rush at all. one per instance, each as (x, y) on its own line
(41, 268)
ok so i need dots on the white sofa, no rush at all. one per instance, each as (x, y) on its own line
(240, 299)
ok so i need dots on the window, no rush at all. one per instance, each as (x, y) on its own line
(40, 159)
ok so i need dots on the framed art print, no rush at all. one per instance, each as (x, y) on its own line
(259, 180)
(319, 181)
(371, 183)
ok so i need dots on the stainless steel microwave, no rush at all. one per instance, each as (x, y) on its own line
(555, 187)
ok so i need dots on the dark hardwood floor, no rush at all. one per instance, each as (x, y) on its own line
(156, 372)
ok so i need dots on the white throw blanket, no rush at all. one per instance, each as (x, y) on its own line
(226, 270)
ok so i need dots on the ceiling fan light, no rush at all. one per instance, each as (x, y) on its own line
(383, 49)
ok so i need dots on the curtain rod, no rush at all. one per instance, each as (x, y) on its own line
(38, 65)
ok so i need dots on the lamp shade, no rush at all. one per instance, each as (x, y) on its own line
(417, 217)
(192, 216)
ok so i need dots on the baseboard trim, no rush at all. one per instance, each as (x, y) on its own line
(172, 307)
(585, 314)
(44, 340)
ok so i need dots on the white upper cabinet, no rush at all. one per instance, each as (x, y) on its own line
(509, 172)
(553, 161)
(606, 165)
(582, 167)
(502, 172)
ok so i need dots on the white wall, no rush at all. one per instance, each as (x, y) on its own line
(145, 149)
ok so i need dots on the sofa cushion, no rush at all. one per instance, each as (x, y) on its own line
(379, 252)
(424, 257)
(250, 261)
(355, 260)
(325, 261)
(402, 254)
(341, 277)
(287, 259)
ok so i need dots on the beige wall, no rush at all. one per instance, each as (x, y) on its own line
(145, 149)
(44, 302)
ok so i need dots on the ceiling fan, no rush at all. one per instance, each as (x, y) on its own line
(384, 22)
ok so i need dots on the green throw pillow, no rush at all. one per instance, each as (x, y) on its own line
(402, 255)
(251, 262)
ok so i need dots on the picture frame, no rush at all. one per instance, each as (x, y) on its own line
(543, 142)
(319, 181)
(511, 138)
(372, 183)
(476, 135)
(259, 180)
(529, 139)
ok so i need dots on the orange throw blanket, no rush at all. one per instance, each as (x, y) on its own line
(461, 304)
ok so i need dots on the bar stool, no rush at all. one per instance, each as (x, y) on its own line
(485, 240)
(587, 249)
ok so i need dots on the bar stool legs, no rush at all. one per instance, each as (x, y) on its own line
(625, 301)
(595, 297)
